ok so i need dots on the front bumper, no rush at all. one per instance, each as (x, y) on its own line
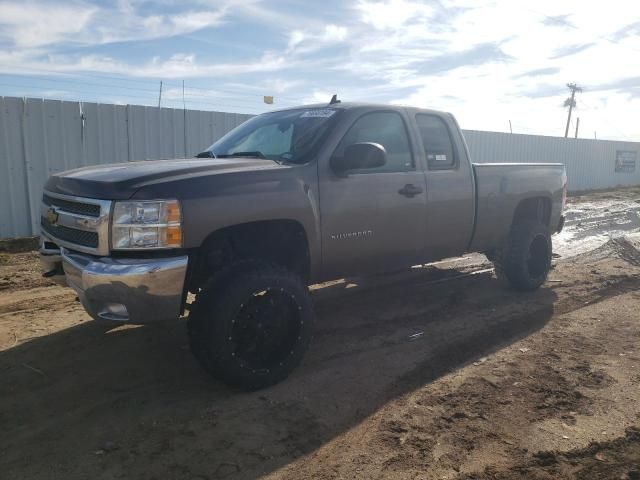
(121, 289)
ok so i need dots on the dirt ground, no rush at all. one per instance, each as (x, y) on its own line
(435, 373)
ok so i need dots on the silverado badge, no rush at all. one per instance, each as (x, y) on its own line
(52, 216)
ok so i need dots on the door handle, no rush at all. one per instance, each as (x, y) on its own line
(410, 190)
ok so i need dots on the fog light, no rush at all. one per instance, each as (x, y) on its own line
(114, 311)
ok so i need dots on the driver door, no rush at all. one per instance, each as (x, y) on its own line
(373, 220)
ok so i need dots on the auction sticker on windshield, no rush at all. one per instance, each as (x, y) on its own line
(323, 113)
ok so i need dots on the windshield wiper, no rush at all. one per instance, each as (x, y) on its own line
(254, 153)
(206, 154)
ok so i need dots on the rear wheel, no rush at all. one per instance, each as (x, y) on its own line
(251, 327)
(526, 259)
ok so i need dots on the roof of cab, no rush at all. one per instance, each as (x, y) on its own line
(349, 105)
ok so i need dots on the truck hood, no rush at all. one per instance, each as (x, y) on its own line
(120, 181)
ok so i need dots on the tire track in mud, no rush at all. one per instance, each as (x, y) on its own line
(600, 460)
(500, 413)
(469, 296)
(40, 300)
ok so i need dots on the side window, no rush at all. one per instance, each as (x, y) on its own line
(437, 143)
(387, 129)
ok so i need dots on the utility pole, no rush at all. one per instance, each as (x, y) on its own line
(160, 95)
(577, 125)
(571, 103)
(510, 128)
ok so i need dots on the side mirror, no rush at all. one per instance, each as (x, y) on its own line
(358, 156)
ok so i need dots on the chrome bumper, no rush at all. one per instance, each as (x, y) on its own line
(122, 289)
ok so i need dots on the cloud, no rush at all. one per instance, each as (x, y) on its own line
(557, 21)
(311, 41)
(392, 14)
(539, 72)
(478, 55)
(34, 24)
(295, 38)
(570, 50)
(634, 92)
(625, 85)
(544, 90)
(628, 30)
(29, 25)
(334, 33)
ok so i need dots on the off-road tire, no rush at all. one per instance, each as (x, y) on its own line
(524, 262)
(197, 325)
(225, 305)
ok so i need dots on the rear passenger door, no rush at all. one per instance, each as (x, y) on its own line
(373, 219)
(450, 206)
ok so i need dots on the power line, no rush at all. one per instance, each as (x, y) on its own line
(86, 74)
(145, 100)
(150, 92)
(39, 87)
(286, 97)
(65, 81)
(130, 80)
(210, 92)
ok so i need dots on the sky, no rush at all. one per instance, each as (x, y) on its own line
(487, 62)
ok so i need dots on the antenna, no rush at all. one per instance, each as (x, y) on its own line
(334, 99)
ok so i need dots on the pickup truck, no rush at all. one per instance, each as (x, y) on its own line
(290, 198)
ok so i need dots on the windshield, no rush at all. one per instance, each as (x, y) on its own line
(289, 136)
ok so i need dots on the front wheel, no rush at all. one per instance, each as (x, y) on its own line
(252, 328)
(526, 259)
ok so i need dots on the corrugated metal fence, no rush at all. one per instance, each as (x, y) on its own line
(590, 164)
(41, 137)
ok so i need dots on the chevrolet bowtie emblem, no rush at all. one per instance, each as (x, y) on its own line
(52, 216)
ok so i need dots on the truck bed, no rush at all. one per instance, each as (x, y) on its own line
(500, 187)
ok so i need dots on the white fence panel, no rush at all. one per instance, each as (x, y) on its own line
(15, 213)
(590, 164)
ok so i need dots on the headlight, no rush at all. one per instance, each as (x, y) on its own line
(147, 224)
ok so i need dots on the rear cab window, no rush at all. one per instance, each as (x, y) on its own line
(437, 142)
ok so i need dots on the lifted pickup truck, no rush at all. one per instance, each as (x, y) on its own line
(285, 200)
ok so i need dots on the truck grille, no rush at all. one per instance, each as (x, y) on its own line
(76, 223)
(71, 235)
(88, 209)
